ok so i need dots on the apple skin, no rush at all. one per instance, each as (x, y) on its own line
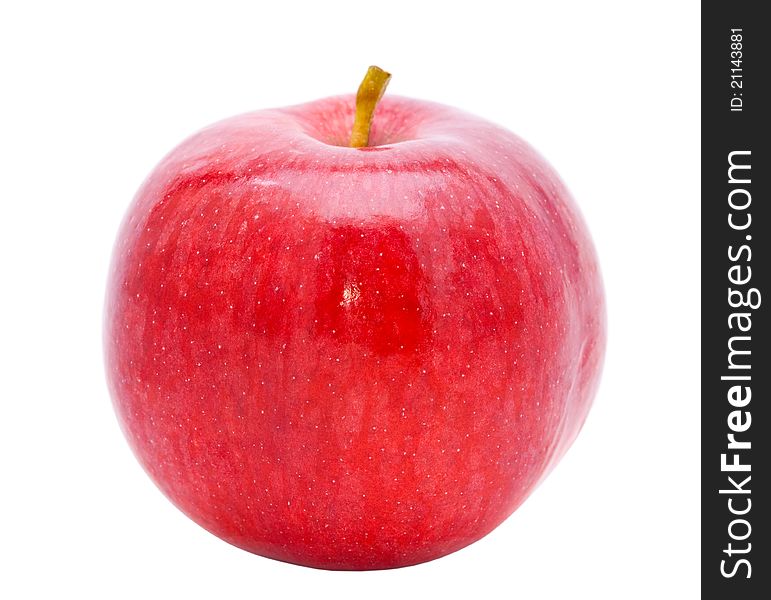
(352, 358)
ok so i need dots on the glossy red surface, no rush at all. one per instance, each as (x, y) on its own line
(352, 358)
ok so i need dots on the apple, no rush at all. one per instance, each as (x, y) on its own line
(352, 350)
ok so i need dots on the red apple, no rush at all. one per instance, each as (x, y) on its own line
(352, 358)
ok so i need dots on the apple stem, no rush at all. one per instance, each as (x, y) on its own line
(370, 92)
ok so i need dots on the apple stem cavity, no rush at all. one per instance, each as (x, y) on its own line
(370, 92)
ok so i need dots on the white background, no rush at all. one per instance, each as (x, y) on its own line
(94, 95)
